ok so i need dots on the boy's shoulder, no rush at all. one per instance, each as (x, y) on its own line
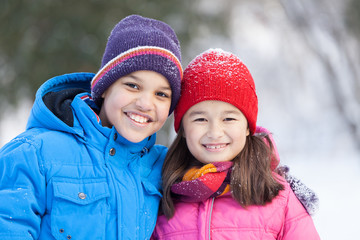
(160, 149)
(41, 136)
(41, 141)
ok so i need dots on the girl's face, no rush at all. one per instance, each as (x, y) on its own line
(137, 105)
(215, 131)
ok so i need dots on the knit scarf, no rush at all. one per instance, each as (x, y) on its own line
(200, 184)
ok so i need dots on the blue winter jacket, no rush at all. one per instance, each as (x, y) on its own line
(67, 177)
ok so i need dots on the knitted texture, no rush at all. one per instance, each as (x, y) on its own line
(138, 43)
(218, 75)
(199, 184)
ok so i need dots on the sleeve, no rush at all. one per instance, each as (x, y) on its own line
(298, 223)
(22, 191)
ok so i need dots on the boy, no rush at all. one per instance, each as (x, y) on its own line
(86, 167)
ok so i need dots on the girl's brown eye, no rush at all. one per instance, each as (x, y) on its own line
(229, 119)
(199, 120)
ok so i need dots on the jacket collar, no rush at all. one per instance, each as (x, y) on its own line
(96, 134)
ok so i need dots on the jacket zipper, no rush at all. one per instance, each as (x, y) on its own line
(134, 183)
(111, 173)
(211, 209)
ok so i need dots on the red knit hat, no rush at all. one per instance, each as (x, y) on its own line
(218, 75)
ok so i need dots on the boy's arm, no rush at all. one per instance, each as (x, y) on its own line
(22, 191)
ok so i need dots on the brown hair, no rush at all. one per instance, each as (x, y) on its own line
(252, 180)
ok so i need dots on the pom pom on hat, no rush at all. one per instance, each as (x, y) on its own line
(218, 75)
(138, 43)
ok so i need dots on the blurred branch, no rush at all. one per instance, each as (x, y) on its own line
(309, 24)
(45, 38)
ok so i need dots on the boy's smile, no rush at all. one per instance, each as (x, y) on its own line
(140, 119)
(137, 105)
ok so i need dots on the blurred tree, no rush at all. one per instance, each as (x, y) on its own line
(353, 16)
(45, 38)
(338, 27)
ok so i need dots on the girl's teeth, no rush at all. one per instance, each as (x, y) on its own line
(215, 146)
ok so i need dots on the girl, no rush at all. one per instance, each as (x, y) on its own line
(218, 177)
(87, 166)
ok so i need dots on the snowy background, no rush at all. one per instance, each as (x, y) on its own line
(307, 75)
(306, 69)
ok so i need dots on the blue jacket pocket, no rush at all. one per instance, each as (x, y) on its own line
(79, 208)
(151, 189)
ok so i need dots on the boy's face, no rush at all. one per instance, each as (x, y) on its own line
(137, 105)
(215, 131)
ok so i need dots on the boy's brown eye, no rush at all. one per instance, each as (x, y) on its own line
(132, 85)
(162, 94)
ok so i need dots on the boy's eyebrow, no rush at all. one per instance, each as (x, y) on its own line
(166, 88)
(140, 80)
(134, 77)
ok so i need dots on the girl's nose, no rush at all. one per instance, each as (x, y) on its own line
(215, 131)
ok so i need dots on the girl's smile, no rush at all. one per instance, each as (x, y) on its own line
(215, 131)
(215, 147)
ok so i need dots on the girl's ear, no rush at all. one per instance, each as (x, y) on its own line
(182, 131)
(183, 134)
(247, 131)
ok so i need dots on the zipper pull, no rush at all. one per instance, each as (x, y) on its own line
(144, 151)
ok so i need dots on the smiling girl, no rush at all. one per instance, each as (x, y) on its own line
(219, 177)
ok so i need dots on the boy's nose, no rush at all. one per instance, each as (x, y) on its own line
(144, 102)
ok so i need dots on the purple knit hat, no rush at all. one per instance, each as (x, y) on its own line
(138, 43)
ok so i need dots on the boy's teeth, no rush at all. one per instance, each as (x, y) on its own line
(138, 118)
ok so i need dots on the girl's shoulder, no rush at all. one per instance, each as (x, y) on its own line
(296, 189)
(283, 194)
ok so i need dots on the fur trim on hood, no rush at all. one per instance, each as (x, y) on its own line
(306, 196)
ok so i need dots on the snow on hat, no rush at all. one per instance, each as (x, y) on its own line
(218, 75)
(138, 43)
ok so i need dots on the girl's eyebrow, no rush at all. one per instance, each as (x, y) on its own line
(196, 113)
(203, 112)
(231, 112)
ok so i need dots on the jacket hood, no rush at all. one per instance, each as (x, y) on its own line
(52, 107)
(63, 104)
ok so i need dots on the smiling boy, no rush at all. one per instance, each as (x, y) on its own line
(87, 166)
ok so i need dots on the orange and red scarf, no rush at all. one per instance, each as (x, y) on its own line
(199, 184)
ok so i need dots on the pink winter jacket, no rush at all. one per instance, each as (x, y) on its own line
(224, 218)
